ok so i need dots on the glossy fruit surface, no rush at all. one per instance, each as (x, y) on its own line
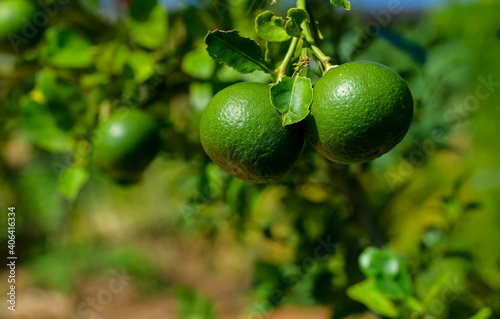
(360, 111)
(126, 143)
(242, 133)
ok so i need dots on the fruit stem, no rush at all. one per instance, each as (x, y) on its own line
(303, 63)
(306, 31)
(287, 59)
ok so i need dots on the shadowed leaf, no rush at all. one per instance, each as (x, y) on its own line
(242, 54)
(296, 16)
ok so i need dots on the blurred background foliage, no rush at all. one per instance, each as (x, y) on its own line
(413, 234)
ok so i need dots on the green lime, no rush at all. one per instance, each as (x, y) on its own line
(242, 133)
(20, 26)
(126, 143)
(361, 110)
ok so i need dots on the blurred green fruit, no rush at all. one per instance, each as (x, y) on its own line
(125, 144)
(21, 25)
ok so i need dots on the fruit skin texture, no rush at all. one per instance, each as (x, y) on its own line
(17, 20)
(360, 111)
(242, 133)
(125, 144)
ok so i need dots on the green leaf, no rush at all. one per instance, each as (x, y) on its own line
(343, 4)
(435, 290)
(93, 80)
(372, 262)
(65, 48)
(367, 293)
(299, 15)
(241, 53)
(41, 126)
(148, 23)
(484, 313)
(296, 17)
(198, 64)
(199, 95)
(398, 288)
(270, 27)
(140, 66)
(390, 274)
(228, 75)
(71, 181)
(292, 98)
(191, 305)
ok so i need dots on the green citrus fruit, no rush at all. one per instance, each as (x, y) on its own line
(361, 110)
(126, 143)
(19, 28)
(242, 133)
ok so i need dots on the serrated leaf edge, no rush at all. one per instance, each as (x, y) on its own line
(273, 19)
(263, 68)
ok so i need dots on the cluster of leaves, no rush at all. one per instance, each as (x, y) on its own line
(79, 78)
(285, 41)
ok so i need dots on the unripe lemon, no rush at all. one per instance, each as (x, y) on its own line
(360, 111)
(242, 133)
(18, 28)
(125, 144)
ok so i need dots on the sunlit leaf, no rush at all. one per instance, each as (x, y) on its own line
(270, 27)
(484, 313)
(292, 98)
(94, 80)
(198, 64)
(367, 293)
(343, 4)
(65, 48)
(148, 23)
(71, 180)
(240, 53)
(372, 262)
(389, 273)
(199, 95)
(141, 65)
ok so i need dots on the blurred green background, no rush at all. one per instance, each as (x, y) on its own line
(413, 234)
